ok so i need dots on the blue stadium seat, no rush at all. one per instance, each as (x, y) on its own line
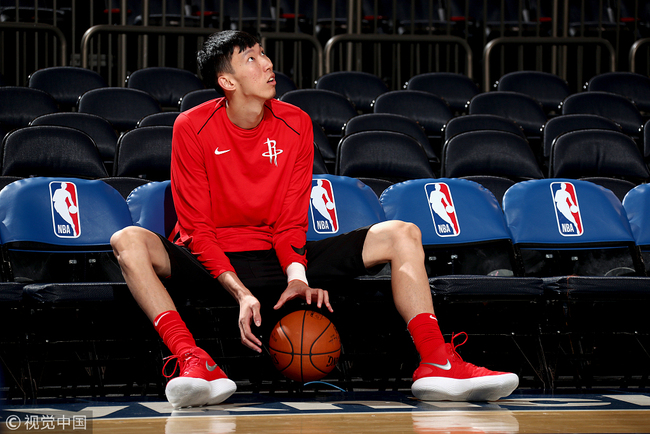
(354, 205)
(64, 253)
(152, 207)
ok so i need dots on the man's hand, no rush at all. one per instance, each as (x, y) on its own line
(249, 311)
(298, 288)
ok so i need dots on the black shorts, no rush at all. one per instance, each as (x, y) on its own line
(328, 260)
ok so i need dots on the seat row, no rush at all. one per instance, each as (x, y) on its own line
(56, 231)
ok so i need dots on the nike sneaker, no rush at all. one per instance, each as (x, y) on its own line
(449, 378)
(201, 381)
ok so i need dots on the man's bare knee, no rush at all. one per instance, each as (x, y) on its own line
(135, 247)
(390, 239)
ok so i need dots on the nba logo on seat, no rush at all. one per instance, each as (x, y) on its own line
(65, 209)
(323, 207)
(443, 211)
(567, 209)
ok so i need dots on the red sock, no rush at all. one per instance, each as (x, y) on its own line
(426, 334)
(174, 332)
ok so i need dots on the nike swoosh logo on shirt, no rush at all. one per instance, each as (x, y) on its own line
(218, 152)
(444, 367)
(210, 368)
(300, 251)
(155, 323)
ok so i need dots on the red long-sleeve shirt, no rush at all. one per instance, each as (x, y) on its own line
(240, 190)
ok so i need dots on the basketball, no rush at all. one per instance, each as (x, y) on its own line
(329, 205)
(305, 346)
(72, 209)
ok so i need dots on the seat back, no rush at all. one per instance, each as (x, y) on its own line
(330, 109)
(20, 105)
(361, 88)
(98, 128)
(166, 85)
(457, 89)
(391, 122)
(382, 154)
(635, 87)
(523, 109)
(609, 105)
(163, 119)
(51, 151)
(548, 89)
(196, 97)
(452, 214)
(122, 107)
(144, 152)
(283, 84)
(152, 207)
(430, 111)
(603, 153)
(340, 204)
(66, 83)
(462, 124)
(565, 123)
(579, 217)
(489, 152)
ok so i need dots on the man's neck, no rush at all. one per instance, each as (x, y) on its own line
(245, 115)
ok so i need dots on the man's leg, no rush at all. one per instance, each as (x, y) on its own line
(442, 374)
(144, 260)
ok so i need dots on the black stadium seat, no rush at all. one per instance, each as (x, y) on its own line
(547, 89)
(122, 107)
(361, 88)
(166, 85)
(144, 152)
(457, 89)
(20, 105)
(66, 83)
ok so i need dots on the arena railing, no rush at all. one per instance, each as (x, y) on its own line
(640, 52)
(550, 55)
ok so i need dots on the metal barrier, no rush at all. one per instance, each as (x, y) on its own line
(33, 57)
(419, 60)
(559, 58)
(634, 55)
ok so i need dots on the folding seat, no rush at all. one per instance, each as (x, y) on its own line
(523, 109)
(283, 84)
(49, 150)
(361, 88)
(635, 87)
(565, 123)
(197, 97)
(576, 236)
(393, 122)
(98, 128)
(548, 89)
(20, 105)
(489, 152)
(382, 154)
(158, 119)
(125, 184)
(609, 105)
(166, 85)
(430, 111)
(637, 206)
(144, 152)
(324, 147)
(457, 89)
(66, 83)
(620, 187)
(497, 185)
(122, 107)
(470, 259)
(56, 237)
(330, 109)
(597, 153)
(462, 124)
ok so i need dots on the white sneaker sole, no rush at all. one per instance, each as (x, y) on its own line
(488, 388)
(220, 390)
(188, 392)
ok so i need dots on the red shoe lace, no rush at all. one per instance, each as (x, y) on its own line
(453, 346)
(185, 362)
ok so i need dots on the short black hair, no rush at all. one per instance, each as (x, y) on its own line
(216, 54)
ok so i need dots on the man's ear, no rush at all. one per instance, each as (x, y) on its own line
(226, 82)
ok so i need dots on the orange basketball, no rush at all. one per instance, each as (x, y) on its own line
(305, 346)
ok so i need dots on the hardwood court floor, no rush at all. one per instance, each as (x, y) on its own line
(358, 412)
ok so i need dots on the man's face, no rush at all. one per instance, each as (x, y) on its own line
(253, 74)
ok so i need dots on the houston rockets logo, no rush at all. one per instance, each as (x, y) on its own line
(65, 209)
(443, 211)
(323, 207)
(567, 209)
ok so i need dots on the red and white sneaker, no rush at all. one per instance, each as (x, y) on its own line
(452, 379)
(201, 381)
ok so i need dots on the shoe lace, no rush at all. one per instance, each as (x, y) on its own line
(182, 362)
(453, 346)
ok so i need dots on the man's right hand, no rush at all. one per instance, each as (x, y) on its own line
(249, 309)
